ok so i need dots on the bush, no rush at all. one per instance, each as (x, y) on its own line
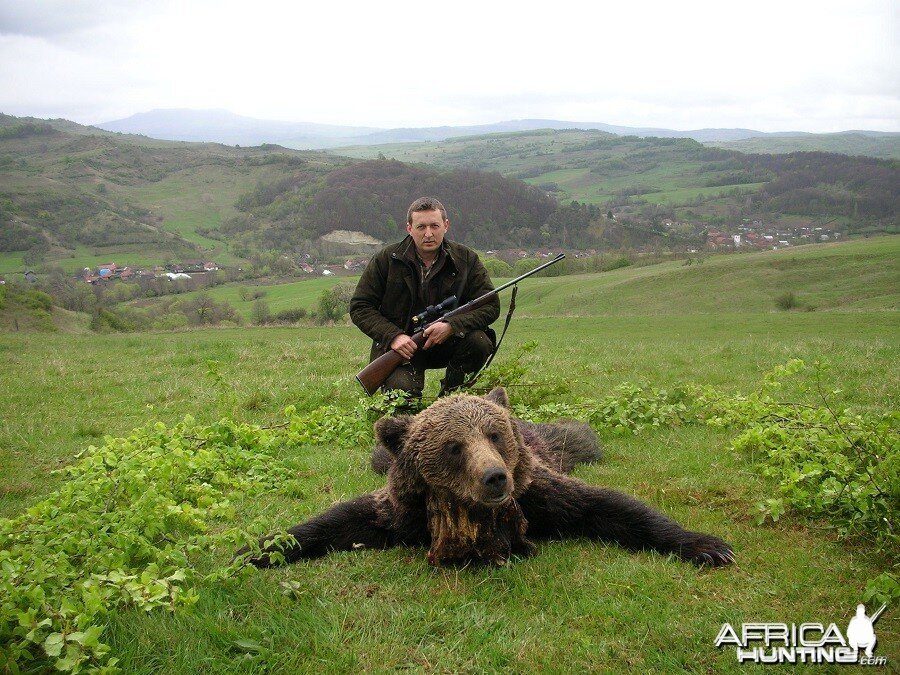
(261, 312)
(497, 268)
(787, 301)
(524, 265)
(335, 302)
(291, 315)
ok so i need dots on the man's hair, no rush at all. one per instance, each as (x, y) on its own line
(425, 204)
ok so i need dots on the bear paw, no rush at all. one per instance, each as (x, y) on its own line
(705, 549)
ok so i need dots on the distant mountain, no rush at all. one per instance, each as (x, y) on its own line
(225, 127)
(222, 126)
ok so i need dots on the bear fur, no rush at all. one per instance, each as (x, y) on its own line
(561, 445)
(467, 480)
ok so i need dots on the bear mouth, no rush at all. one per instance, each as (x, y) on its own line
(496, 501)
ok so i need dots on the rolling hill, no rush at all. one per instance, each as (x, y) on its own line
(222, 126)
(867, 143)
(76, 198)
(647, 181)
(861, 276)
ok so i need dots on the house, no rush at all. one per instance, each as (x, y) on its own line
(191, 266)
(30, 277)
(210, 267)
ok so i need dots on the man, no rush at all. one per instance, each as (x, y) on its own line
(403, 279)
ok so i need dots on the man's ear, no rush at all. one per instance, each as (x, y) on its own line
(498, 395)
(391, 432)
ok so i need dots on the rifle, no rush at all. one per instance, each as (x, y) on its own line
(373, 375)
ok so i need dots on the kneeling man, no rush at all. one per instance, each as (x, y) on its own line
(403, 279)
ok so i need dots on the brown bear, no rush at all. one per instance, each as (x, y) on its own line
(469, 481)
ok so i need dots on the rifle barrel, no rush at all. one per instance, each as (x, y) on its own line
(528, 274)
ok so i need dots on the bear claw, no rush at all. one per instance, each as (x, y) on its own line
(708, 550)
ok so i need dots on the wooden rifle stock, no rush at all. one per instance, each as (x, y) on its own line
(374, 375)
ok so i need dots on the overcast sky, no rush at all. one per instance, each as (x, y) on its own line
(774, 66)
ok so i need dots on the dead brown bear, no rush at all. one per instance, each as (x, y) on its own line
(466, 480)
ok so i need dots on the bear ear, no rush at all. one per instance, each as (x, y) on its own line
(498, 395)
(391, 432)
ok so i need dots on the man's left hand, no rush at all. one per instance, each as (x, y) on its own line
(437, 333)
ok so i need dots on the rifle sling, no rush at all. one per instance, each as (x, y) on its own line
(509, 315)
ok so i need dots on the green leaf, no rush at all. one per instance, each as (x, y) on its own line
(53, 645)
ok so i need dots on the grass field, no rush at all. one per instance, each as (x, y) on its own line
(188, 200)
(279, 297)
(576, 606)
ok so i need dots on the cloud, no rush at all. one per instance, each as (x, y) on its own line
(816, 66)
(59, 18)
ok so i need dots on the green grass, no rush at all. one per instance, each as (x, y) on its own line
(188, 200)
(279, 297)
(11, 263)
(851, 276)
(681, 196)
(576, 606)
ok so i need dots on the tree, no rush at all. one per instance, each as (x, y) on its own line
(203, 310)
(335, 302)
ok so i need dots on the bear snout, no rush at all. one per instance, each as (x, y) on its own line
(496, 484)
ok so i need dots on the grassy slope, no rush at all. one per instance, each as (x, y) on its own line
(187, 185)
(576, 606)
(858, 275)
(192, 199)
(303, 294)
(881, 146)
(568, 157)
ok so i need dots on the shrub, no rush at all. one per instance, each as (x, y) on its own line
(496, 267)
(291, 315)
(335, 302)
(787, 301)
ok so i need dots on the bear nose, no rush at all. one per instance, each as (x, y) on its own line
(494, 480)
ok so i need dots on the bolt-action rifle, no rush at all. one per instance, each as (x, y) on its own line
(373, 375)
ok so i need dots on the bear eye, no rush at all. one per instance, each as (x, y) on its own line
(454, 449)
(494, 437)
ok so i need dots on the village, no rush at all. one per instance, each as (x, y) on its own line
(756, 234)
(749, 235)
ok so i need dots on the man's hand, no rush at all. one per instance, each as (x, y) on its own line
(437, 333)
(404, 346)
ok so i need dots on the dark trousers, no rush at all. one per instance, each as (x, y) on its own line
(460, 356)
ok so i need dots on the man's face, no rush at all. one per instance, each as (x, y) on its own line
(427, 230)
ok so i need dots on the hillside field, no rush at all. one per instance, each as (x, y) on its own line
(576, 606)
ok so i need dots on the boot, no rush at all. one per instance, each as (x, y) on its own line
(453, 380)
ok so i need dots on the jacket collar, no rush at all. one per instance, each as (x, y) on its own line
(405, 251)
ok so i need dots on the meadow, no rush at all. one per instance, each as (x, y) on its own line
(577, 605)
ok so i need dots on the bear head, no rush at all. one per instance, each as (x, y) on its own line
(464, 446)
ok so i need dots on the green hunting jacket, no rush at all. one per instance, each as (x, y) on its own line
(388, 294)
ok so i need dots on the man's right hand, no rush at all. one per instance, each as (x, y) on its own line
(404, 346)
